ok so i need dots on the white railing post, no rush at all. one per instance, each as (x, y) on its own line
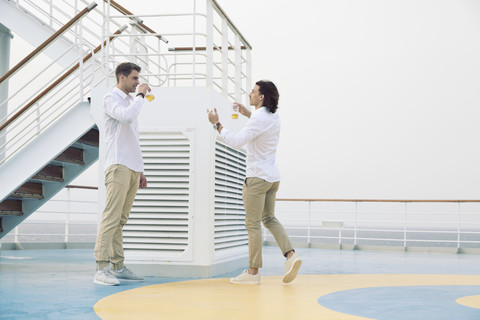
(309, 226)
(238, 68)
(37, 119)
(209, 66)
(355, 225)
(405, 227)
(174, 70)
(458, 226)
(107, 46)
(248, 83)
(67, 216)
(15, 235)
(194, 40)
(134, 34)
(224, 56)
(79, 38)
(51, 14)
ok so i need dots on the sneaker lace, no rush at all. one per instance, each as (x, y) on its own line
(108, 274)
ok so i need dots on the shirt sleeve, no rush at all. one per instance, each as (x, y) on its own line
(254, 127)
(116, 110)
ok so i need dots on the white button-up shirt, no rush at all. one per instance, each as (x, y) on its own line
(260, 135)
(121, 111)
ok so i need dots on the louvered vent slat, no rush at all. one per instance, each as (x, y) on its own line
(160, 215)
(230, 170)
(152, 228)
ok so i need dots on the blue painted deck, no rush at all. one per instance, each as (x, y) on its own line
(57, 284)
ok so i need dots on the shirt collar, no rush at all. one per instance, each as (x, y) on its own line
(258, 110)
(122, 94)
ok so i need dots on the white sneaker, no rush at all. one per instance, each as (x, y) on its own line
(246, 278)
(127, 274)
(106, 278)
(291, 268)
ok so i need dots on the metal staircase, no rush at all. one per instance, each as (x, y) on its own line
(47, 165)
(48, 136)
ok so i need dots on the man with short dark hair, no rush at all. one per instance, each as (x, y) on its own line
(123, 174)
(261, 136)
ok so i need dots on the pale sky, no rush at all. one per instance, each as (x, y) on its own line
(378, 99)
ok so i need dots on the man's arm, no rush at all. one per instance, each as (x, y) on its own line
(116, 110)
(253, 129)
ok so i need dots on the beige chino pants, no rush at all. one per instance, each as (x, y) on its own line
(259, 198)
(121, 187)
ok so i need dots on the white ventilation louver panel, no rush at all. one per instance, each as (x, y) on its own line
(230, 170)
(159, 220)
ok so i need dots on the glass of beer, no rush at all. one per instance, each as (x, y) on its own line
(149, 97)
(235, 110)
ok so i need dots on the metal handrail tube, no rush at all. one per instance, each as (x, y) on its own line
(73, 186)
(47, 42)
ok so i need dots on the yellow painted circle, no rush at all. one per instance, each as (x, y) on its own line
(470, 301)
(219, 299)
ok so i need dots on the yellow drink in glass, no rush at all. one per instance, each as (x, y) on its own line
(235, 111)
(150, 97)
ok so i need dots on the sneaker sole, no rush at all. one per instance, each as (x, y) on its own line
(104, 283)
(137, 280)
(292, 273)
(244, 282)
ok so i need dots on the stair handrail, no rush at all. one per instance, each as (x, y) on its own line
(139, 22)
(220, 10)
(59, 80)
(47, 42)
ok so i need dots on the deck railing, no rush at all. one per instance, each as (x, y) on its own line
(376, 224)
(428, 225)
(69, 219)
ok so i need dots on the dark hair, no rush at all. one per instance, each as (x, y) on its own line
(126, 68)
(270, 94)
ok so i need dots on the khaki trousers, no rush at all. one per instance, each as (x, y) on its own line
(259, 201)
(121, 187)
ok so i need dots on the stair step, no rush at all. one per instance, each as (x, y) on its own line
(90, 138)
(50, 173)
(31, 190)
(11, 208)
(71, 155)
